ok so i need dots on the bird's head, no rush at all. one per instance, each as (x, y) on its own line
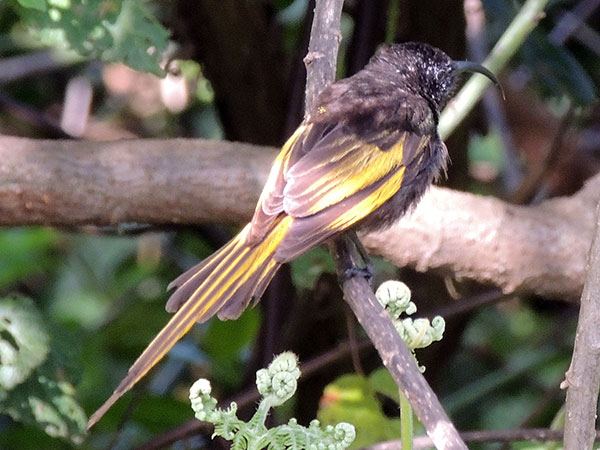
(424, 70)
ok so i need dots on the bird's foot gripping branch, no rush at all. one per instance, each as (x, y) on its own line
(276, 384)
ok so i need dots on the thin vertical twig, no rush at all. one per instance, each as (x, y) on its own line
(392, 21)
(325, 38)
(406, 423)
(582, 380)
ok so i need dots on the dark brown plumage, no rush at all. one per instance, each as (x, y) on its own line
(363, 156)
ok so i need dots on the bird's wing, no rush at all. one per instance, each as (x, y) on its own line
(270, 203)
(345, 163)
(347, 175)
(330, 177)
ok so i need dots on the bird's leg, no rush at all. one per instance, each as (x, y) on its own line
(363, 253)
(368, 269)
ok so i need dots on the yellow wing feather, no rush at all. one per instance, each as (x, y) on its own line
(366, 166)
(366, 206)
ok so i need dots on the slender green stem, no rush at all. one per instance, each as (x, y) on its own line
(406, 423)
(558, 423)
(392, 21)
(514, 36)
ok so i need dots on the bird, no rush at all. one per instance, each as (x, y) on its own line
(361, 158)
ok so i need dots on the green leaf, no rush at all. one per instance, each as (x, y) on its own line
(24, 252)
(159, 413)
(351, 399)
(138, 38)
(30, 389)
(553, 67)
(381, 381)
(228, 338)
(113, 31)
(487, 150)
(307, 269)
(227, 343)
(91, 277)
(557, 70)
(48, 404)
(40, 5)
(23, 341)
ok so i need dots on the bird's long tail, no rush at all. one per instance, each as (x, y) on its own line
(223, 284)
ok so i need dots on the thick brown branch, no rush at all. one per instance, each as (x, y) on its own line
(540, 249)
(149, 181)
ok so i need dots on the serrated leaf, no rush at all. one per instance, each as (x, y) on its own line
(48, 404)
(138, 38)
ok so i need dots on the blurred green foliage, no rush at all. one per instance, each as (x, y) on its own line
(556, 69)
(25, 252)
(113, 31)
(487, 150)
(510, 358)
(307, 269)
(354, 399)
(102, 300)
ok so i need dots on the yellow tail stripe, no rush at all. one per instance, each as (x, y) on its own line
(184, 319)
(230, 272)
(198, 305)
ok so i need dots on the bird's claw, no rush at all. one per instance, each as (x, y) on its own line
(364, 272)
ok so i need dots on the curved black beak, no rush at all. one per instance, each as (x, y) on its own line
(468, 66)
